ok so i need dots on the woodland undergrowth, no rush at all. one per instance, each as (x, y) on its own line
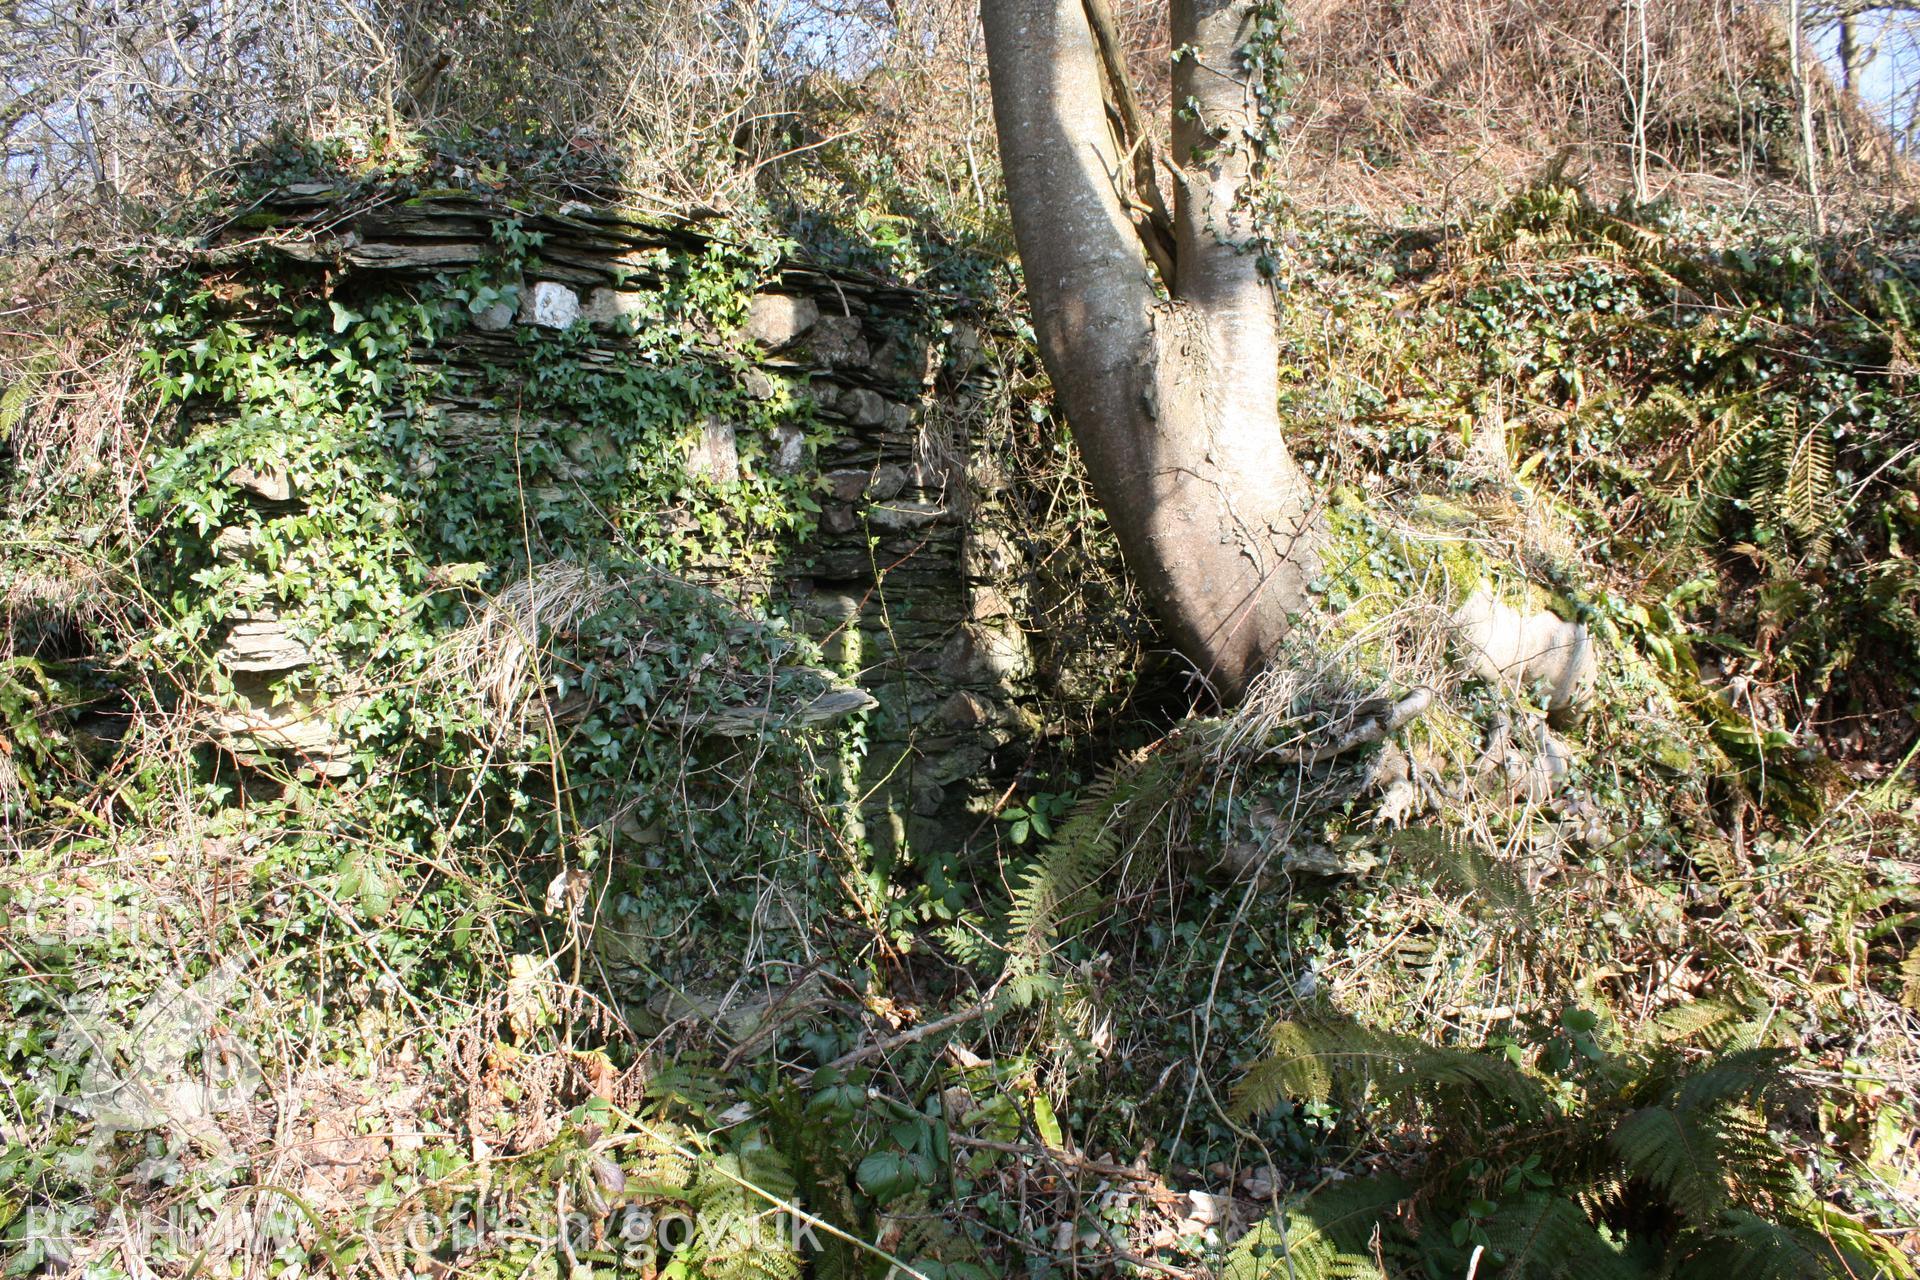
(1391, 971)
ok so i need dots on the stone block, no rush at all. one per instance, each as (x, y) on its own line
(262, 645)
(606, 308)
(778, 320)
(989, 602)
(838, 343)
(928, 796)
(987, 554)
(886, 482)
(965, 355)
(714, 455)
(267, 482)
(847, 485)
(549, 305)
(902, 360)
(302, 725)
(964, 710)
(789, 448)
(861, 406)
(1526, 650)
(986, 654)
(238, 543)
(903, 516)
(494, 318)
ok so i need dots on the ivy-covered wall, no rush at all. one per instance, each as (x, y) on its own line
(465, 487)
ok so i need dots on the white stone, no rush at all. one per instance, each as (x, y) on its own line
(987, 554)
(551, 306)
(1501, 644)
(986, 653)
(268, 481)
(789, 448)
(902, 515)
(715, 455)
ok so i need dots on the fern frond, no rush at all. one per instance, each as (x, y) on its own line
(1309, 1059)
(1743, 1075)
(1058, 890)
(749, 1244)
(1866, 1253)
(1761, 1175)
(1804, 499)
(1487, 884)
(1707, 1024)
(1746, 1246)
(1713, 462)
(1712, 442)
(1086, 845)
(1548, 1236)
(966, 942)
(1677, 1153)
(1326, 1236)
(1266, 1084)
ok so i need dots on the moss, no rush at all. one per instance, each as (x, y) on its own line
(1377, 565)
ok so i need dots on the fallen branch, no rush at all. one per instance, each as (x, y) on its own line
(912, 1035)
(1105, 1168)
(1381, 720)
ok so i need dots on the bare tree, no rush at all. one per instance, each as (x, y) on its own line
(1159, 329)
(1881, 34)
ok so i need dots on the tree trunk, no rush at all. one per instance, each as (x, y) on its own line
(1173, 401)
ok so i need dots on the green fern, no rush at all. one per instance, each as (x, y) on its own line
(1489, 885)
(1549, 1237)
(1731, 448)
(1310, 1059)
(1327, 1235)
(1616, 1159)
(1060, 881)
(1710, 469)
(743, 1247)
(1737, 1075)
(1058, 892)
(1802, 497)
(1679, 1154)
(1746, 1246)
(1712, 1024)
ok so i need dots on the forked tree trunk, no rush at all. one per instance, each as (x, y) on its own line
(1173, 400)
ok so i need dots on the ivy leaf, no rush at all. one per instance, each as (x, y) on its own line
(1046, 1122)
(343, 317)
(888, 1175)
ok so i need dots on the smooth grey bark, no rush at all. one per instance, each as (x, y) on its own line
(1173, 400)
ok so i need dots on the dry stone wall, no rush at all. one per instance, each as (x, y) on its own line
(913, 578)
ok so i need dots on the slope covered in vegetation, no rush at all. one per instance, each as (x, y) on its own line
(1409, 966)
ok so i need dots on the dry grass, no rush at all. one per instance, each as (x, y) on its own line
(500, 651)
